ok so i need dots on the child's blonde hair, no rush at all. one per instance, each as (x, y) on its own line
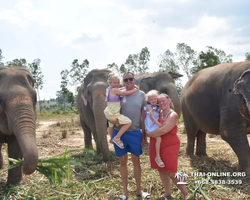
(112, 76)
(150, 93)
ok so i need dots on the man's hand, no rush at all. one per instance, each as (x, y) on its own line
(114, 121)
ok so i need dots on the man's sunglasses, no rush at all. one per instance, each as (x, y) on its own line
(126, 79)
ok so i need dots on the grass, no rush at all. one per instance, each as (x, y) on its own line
(93, 179)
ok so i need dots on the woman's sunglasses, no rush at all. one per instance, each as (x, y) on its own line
(126, 79)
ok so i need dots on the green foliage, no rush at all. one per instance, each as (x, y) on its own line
(1, 56)
(36, 72)
(64, 95)
(137, 63)
(167, 62)
(221, 55)
(17, 62)
(78, 71)
(186, 57)
(247, 56)
(210, 58)
(55, 169)
(119, 70)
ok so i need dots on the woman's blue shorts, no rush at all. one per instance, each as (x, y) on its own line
(131, 141)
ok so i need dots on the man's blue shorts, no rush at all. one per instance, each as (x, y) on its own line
(131, 141)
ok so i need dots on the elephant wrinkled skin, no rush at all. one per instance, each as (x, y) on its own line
(90, 103)
(216, 100)
(163, 83)
(18, 120)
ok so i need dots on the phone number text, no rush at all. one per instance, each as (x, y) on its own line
(219, 182)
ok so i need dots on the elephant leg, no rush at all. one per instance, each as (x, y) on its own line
(1, 156)
(14, 150)
(192, 130)
(234, 132)
(201, 144)
(237, 139)
(87, 135)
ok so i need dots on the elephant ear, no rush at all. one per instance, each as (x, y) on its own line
(145, 84)
(242, 85)
(84, 95)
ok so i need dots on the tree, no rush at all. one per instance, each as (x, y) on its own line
(63, 93)
(205, 60)
(247, 56)
(78, 72)
(71, 100)
(167, 62)
(119, 70)
(210, 58)
(1, 57)
(36, 72)
(186, 58)
(138, 63)
(221, 55)
(17, 62)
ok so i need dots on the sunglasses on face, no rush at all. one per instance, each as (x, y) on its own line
(128, 79)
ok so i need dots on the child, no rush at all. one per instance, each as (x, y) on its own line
(152, 123)
(112, 111)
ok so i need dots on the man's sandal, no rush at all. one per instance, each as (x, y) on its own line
(159, 162)
(118, 142)
(144, 195)
(122, 197)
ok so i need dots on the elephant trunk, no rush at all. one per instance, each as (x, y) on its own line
(22, 122)
(101, 126)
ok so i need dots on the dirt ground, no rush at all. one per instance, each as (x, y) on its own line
(49, 135)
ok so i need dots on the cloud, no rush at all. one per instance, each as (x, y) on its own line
(25, 15)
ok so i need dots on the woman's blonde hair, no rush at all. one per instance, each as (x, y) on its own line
(166, 96)
(150, 93)
(112, 76)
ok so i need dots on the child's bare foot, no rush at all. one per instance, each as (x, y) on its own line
(118, 142)
(159, 162)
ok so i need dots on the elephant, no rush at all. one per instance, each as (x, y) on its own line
(163, 83)
(216, 100)
(18, 120)
(90, 102)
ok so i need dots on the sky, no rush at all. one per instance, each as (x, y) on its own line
(107, 31)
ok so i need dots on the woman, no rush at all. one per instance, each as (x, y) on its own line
(169, 147)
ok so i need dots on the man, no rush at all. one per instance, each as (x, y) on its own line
(133, 138)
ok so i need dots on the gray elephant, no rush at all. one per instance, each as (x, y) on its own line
(163, 83)
(216, 100)
(18, 120)
(90, 103)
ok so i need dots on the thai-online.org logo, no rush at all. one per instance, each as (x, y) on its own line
(207, 177)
